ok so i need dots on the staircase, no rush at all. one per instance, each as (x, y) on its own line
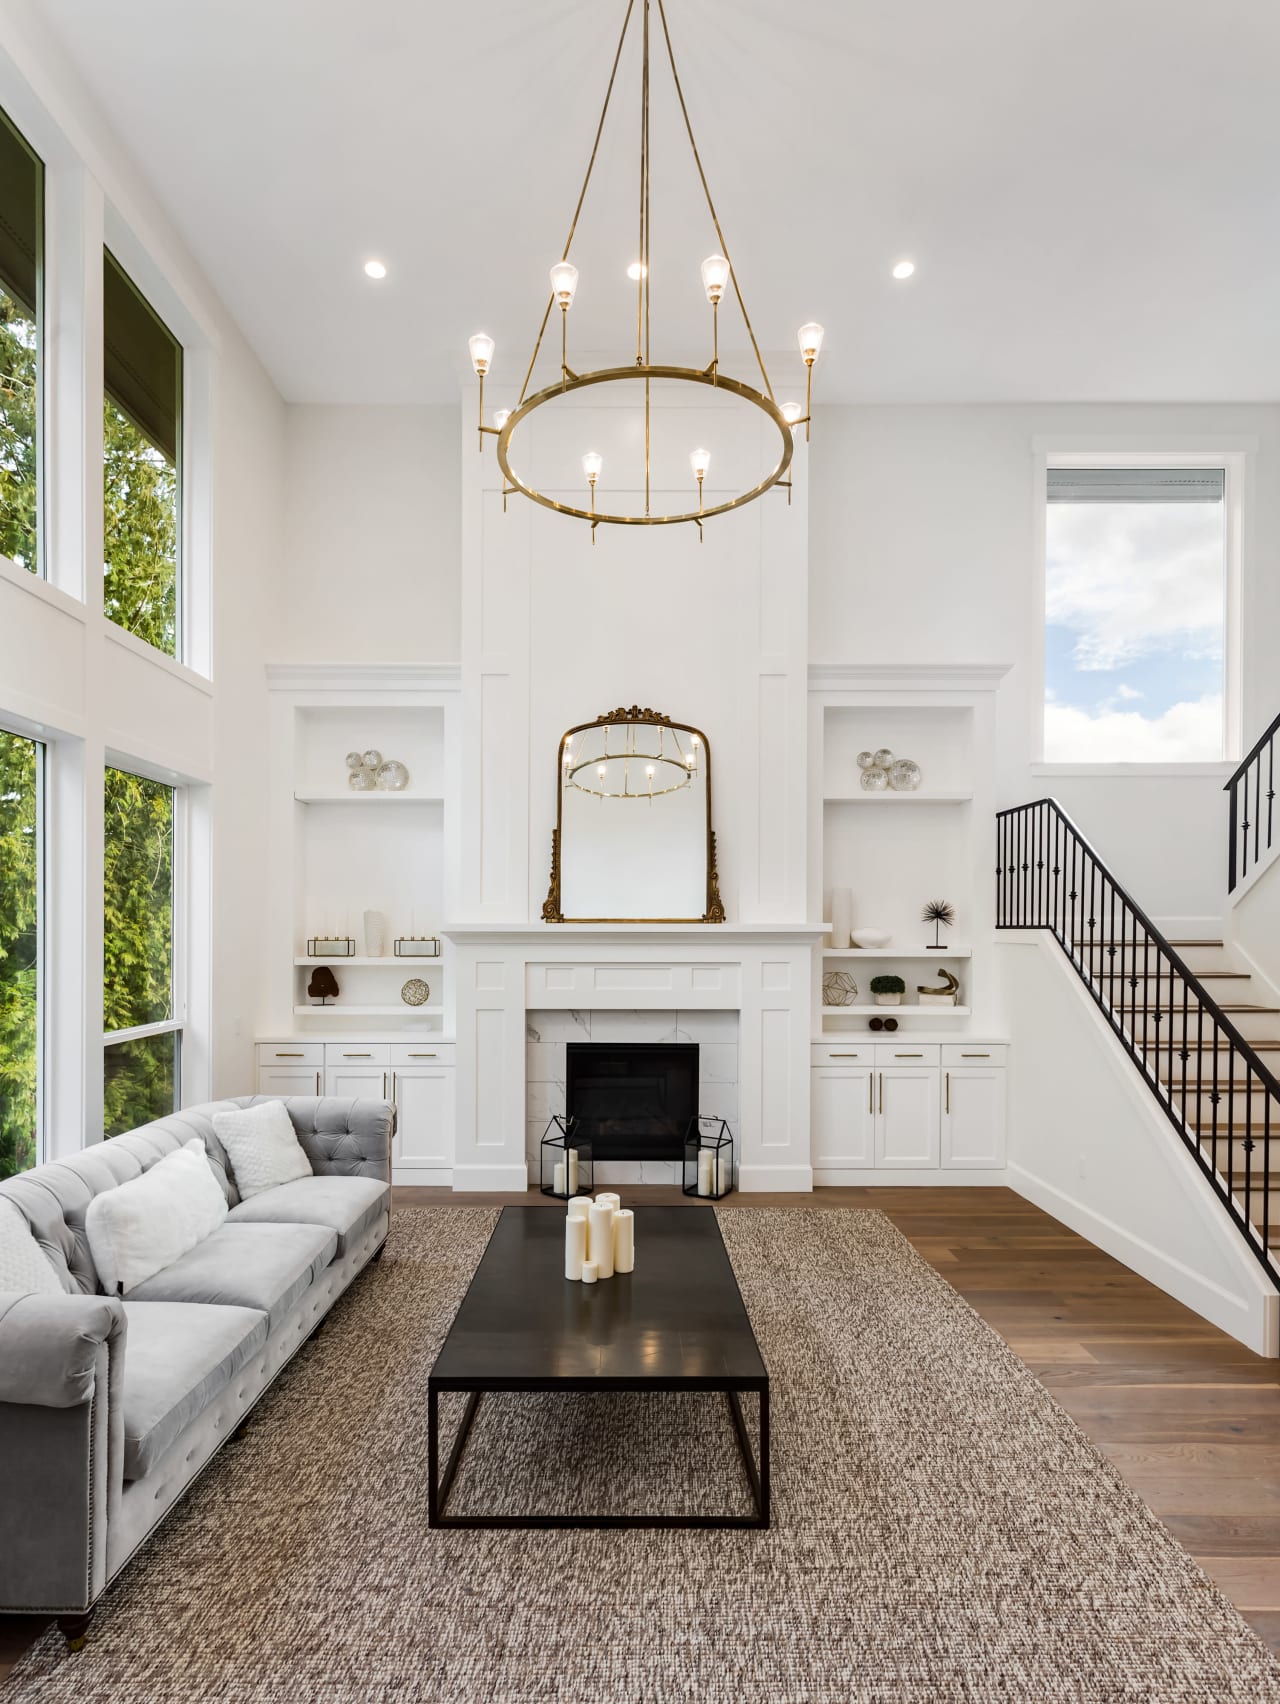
(1204, 1036)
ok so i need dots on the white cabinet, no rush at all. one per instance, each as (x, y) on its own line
(973, 1115)
(907, 1117)
(842, 1117)
(357, 1082)
(424, 1122)
(290, 1080)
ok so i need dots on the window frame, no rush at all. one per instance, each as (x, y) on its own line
(15, 727)
(176, 1024)
(40, 568)
(1236, 456)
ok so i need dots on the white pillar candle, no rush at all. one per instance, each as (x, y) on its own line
(589, 1272)
(575, 1246)
(579, 1206)
(841, 916)
(606, 1196)
(557, 1178)
(724, 1171)
(572, 1154)
(706, 1175)
(624, 1240)
(601, 1240)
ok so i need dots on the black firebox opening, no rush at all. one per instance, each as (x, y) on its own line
(633, 1100)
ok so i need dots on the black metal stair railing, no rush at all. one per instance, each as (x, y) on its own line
(1210, 1083)
(1253, 794)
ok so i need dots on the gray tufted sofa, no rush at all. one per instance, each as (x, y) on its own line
(109, 1408)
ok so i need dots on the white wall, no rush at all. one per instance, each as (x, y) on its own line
(923, 548)
(371, 535)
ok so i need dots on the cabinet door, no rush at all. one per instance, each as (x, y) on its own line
(973, 1118)
(357, 1082)
(907, 1118)
(424, 1120)
(288, 1080)
(842, 1118)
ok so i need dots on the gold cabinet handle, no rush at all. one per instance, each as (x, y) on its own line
(975, 1056)
(384, 1085)
(948, 1091)
(357, 1056)
(317, 1082)
(423, 1056)
(871, 1091)
(845, 1056)
(882, 1091)
(393, 1088)
(290, 1055)
(908, 1056)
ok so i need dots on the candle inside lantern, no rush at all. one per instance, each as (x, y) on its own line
(575, 1246)
(624, 1240)
(557, 1178)
(571, 1155)
(706, 1172)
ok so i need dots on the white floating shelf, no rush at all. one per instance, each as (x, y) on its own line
(386, 962)
(347, 1011)
(896, 1011)
(347, 797)
(891, 798)
(865, 953)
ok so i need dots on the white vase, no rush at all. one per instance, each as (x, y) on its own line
(375, 934)
(841, 916)
(888, 999)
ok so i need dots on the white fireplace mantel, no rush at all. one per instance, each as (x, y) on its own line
(763, 972)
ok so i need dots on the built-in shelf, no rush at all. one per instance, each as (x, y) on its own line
(896, 1011)
(863, 953)
(936, 797)
(348, 797)
(345, 1010)
(387, 962)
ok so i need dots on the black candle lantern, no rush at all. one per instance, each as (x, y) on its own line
(565, 1167)
(708, 1159)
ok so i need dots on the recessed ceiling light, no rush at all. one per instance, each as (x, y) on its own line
(904, 269)
(375, 269)
(636, 271)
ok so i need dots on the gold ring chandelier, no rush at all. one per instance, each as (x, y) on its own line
(629, 773)
(718, 274)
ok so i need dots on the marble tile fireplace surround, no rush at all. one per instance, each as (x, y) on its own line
(744, 994)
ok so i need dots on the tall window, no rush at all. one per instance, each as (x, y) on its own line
(21, 264)
(20, 893)
(141, 1017)
(142, 427)
(1135, 615)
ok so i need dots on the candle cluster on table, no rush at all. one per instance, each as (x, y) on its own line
(599, 1238)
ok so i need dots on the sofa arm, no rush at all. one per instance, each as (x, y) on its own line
(345, 1138)
(62, 1445)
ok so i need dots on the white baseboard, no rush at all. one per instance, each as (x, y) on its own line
(858, 1177)
(500, 1178)
(422, 1177)
(758, 1180)
(1253, 1320)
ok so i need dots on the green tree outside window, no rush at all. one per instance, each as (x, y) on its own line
(19, 958)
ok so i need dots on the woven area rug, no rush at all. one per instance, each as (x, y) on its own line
(942, 1530)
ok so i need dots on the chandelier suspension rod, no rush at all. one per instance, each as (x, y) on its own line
(644, 237)
(706, 190)
(595, 149)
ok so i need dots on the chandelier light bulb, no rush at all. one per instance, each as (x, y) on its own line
(601, 772)
(636, 271)
(700, 461)
(592, 465)
(564, 282)
(374, 269)
(810, 336)
(715, 275)
(481, 347)
(904, 269)
(791, 412)
(501, 416)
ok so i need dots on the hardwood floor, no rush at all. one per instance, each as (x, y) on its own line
(1190, 1417)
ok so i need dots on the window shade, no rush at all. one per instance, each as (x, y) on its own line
(21, 210)
(1136, 484)
(143, 361)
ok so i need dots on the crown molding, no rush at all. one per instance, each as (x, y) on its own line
(906, 677)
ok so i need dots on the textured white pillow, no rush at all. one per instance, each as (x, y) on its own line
(140, 1227)
(24, 1266)
(262, 1146)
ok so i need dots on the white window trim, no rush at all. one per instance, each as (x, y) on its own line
(1237, 455)
(15, 725)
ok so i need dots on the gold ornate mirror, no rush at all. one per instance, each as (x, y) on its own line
(633, 841)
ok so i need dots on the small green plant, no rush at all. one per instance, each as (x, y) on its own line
(888, 985)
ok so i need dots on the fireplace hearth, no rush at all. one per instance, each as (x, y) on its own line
(632, 1100)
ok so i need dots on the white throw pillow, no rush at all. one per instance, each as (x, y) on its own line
(24, 1266)
(262, 1146)
(138, 1228)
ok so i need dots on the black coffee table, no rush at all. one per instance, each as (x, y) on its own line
(677, 1323)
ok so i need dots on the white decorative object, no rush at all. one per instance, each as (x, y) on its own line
(557, 1178)
(601, 1238)
(372, 758)
(888, 999)
(624, 1240)
(575, 1246)
(375, 933)
(871, 938)
(884, 757)
(571, 1156)
(841, 916)
(262, 1146)
(392, 776)
(590, 1272)
(138, 1228)
(579, 1206)
(874, 781)
(24, 1266)
(607, 1198)
(724, 1170)
(904, 775)
(866, 759)
(706, 1171)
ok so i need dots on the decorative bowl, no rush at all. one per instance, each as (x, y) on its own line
(871, 938)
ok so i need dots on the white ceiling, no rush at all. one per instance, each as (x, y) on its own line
(1091, 189)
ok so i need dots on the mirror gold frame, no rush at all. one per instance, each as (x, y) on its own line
(551, 910)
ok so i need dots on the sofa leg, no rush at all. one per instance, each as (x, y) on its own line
(378, 1252)
(75, 1629)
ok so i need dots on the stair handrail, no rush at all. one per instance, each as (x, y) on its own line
(1024, 834)
(1238, 832)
